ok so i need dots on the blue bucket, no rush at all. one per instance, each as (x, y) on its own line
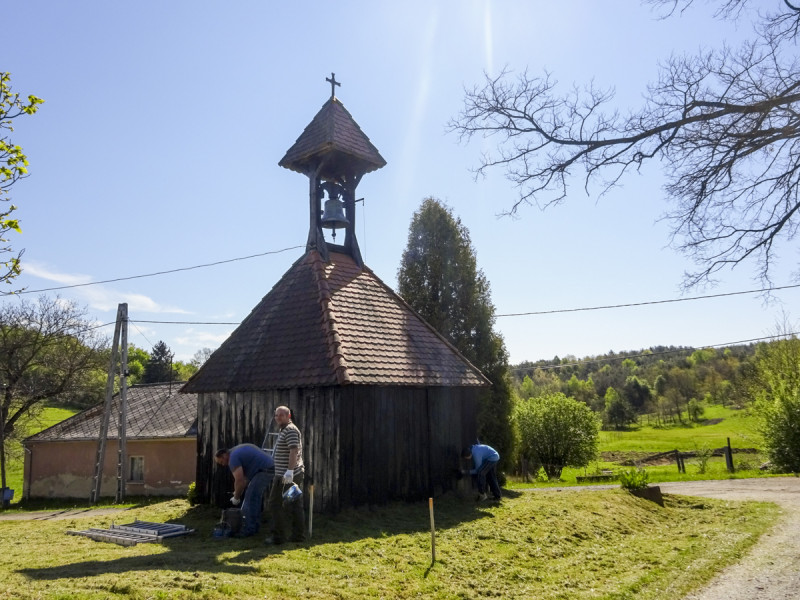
(292, 494)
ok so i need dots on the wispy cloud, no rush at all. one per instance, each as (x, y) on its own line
(38, 270)
(100, 297)
(421, 100)
(488, 40)
(203, 339)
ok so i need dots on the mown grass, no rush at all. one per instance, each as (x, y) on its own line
(539, 544)
(15, 465)
(738, 425)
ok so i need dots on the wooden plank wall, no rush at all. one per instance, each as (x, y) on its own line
(361, 444)
(228, 419)
(318, 418)
(401, 443)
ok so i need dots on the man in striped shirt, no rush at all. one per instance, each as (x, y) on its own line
(288, 457)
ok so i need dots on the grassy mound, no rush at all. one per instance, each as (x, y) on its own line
(533, 545)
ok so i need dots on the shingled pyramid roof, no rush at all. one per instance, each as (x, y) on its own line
(332, 324)
(154, 411)
(333, 135)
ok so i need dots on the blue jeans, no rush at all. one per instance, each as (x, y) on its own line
(488, 473)
(253, 501)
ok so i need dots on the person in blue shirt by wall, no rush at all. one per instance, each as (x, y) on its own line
(484, 460)
(253, 471)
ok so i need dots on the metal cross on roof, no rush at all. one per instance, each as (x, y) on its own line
(333, 83)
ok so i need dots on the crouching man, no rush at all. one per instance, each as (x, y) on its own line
(253, 471)
(484, 460)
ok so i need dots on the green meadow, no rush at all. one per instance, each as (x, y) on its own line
(535, 544)
(631, 447)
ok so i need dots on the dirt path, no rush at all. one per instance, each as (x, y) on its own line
(55, 515)
(771, 570)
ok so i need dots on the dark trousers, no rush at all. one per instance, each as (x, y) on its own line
(251, 506)
(284, 517)
(488, 473)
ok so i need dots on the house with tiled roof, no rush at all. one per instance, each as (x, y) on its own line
(384, 402)
(161, 439)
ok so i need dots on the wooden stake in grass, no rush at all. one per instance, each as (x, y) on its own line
(433, 532)
(310, 510)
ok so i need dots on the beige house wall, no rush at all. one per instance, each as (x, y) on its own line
(66, 469)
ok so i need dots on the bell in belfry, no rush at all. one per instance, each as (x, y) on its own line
(333, 216)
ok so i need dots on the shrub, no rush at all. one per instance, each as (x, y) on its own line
(776, 388)
(191, 495)
(744, 464)
(557, 431)
(703, 455)
(633, 479)
(696, 411)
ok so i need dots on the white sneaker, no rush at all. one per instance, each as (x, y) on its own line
(481, 497)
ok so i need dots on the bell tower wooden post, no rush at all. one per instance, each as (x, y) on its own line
(334, 154)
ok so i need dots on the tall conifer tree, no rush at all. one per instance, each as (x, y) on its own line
(439, 278)
(159, 367)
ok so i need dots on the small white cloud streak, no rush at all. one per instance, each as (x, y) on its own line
(99, 297)
(203, 339)
(412, 141)
(192, 340)
(488, 40)
(37, 270)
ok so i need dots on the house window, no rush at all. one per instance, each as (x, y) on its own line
(137, 468)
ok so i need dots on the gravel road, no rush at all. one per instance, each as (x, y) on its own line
(771, 570)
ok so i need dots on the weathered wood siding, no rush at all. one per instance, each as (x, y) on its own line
(361, 444)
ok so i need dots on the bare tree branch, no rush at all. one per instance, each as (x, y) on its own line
(724, 125)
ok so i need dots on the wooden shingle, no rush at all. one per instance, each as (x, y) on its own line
(332, 324)
(154, 411)
(335, 139)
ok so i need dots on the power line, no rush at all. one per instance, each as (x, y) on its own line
(140, 332)
(566, 310)
(221, 262)
(188, 322)
(533, 367)
(241, 258)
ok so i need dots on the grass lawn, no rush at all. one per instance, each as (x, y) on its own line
(713, 431)
(542, 544)
(49, 416)
(718, 424)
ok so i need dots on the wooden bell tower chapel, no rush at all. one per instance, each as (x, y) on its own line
(334, 154)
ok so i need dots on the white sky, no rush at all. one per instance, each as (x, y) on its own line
(158, 144)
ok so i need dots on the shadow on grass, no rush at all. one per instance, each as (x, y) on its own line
(201, 552)
(55, 504)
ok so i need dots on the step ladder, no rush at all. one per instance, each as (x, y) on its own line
(270, 438)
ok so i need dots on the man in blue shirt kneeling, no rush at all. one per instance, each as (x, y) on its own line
(484, 459)
(253, 471)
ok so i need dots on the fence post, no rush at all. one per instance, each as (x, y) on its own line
(729, 457)
(679, 461)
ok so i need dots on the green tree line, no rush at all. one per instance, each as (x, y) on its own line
(663, 384)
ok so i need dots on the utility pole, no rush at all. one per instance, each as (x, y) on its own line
(97, 480)
(123, 409)
(3, 403)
